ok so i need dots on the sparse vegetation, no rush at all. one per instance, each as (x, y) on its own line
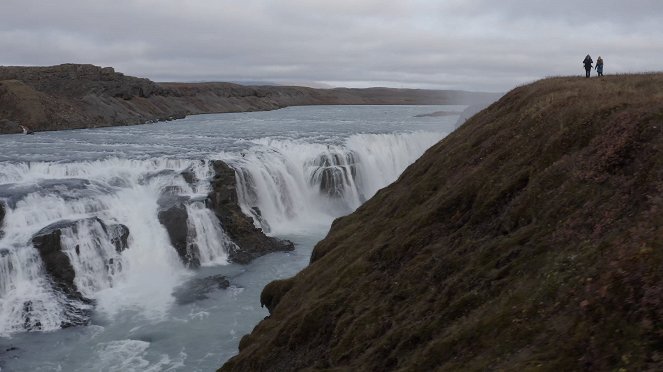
(529, 239)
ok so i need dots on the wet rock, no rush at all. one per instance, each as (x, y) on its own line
(174, 217)
(57, 264)
(251, 241)
(59, 268)
(77, 308)
(332, 181)
(119, 235)
(198, 289)
(145, 179)
(189, 176)
(334, 172)
(2, 218)
(30, 324)
(257, 214)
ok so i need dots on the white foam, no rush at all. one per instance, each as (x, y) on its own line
(287, 186)
(131, 355)
(282, 177)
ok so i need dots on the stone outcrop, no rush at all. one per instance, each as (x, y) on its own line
(62, 274)
(73, 96)
(2, 218)
(251, 241)
(119, 236)
(199, 289)
(189, 176)
(273, 292)
(174, 217)
(56, 262)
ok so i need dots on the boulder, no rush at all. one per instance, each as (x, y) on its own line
(119, 236)
(56, 262)
(251, 241)
(2, 218)
(77, 308)
(189, 176)
(174, 217)
(198, 289)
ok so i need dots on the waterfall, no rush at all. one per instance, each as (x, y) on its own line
(106, 215)
(93, 250)
(291, 186)
(94, 206)
(27, 301)
(212, 242)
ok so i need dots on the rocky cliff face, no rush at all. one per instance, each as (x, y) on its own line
(85, 96)
(529, 238)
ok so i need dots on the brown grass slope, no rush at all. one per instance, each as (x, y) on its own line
(529, 239)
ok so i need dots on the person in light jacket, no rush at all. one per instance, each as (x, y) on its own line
(599, 66)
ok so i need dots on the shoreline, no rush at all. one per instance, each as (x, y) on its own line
(74, 96)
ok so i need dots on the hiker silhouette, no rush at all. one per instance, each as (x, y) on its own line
(588, 65)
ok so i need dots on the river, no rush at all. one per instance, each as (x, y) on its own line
(297, 168)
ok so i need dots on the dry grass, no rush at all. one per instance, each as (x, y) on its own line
(531, 238)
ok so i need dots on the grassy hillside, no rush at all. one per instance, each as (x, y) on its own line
(529, 239)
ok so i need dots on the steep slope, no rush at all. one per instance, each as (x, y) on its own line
(530, 238)
(85, 96)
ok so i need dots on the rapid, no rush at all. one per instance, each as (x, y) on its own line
(297, 169)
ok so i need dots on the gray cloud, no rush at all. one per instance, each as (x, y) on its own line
(464, 44)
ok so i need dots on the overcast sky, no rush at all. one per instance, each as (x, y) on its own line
(488, 45)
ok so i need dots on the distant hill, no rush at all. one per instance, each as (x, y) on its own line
(84, 96)
(531, 238)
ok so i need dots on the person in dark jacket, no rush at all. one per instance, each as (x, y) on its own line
(588, 65)
(599, 66)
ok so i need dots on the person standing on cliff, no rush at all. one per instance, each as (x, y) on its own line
(599, 66)
(588, 65)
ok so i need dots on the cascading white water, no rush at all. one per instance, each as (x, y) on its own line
(96, 261)
(207, 234)
(27, 301)
(95, 196)
(288, 186)
(291, 186)
(298, 169)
